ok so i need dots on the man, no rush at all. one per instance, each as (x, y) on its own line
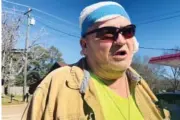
(101, 86)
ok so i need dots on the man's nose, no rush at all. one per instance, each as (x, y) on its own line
(120, 40)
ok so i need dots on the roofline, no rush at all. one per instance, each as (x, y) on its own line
(165, 57)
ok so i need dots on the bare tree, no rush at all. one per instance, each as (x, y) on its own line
(10, 35)
(13, 58)
(151, 73)
(174, 75)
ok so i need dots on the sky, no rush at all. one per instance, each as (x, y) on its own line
(157, 21)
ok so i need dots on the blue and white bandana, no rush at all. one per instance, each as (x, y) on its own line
(100, 12)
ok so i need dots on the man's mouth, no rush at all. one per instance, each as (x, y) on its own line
(121, 53)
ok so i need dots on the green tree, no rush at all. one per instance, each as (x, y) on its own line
(40, 60)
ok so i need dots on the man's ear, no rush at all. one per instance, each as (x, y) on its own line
(83, 46)
(83, 43)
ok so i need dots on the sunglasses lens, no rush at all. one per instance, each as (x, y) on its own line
(128, 32)
(106, 33)
(111, 33)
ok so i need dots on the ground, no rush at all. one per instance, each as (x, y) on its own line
(13, 112)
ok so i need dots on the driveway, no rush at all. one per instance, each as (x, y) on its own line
(13, 112)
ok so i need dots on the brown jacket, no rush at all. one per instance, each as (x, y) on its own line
(68, 93)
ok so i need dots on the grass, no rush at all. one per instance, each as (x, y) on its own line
(6, 100)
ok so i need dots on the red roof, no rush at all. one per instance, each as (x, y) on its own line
(168, 60)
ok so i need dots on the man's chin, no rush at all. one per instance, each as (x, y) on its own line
(120, 66)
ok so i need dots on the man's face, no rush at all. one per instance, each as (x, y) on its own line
(106, 53)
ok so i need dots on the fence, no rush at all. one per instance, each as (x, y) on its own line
(15, 90)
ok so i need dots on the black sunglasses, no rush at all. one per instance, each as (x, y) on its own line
(113, 32)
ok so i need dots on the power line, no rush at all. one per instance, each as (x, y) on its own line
(58, 18)
(11, 12)
(37, 17)
(15, 10)
(160, 49)
(165, 14)
(58, 30)
(152, 21)
(139, 47)
(38, 10)
(50, 22)
(178, 11)
(48, 26)
(16, 3)
(72, 35)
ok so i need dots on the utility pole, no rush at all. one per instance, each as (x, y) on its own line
(25, 51)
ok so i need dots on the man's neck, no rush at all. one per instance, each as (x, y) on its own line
(115, 80)
(120, 86)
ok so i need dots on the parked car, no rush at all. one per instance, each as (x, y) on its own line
(171, 101)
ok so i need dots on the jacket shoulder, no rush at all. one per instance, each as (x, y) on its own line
(57, 76)
(53, 94)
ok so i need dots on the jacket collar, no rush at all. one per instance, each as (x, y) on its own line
(81, 76)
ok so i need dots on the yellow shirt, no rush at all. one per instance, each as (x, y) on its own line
(115, 107)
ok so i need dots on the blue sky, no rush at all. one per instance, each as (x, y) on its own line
(158, 23)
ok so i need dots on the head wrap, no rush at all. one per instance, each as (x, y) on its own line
(100, 11)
